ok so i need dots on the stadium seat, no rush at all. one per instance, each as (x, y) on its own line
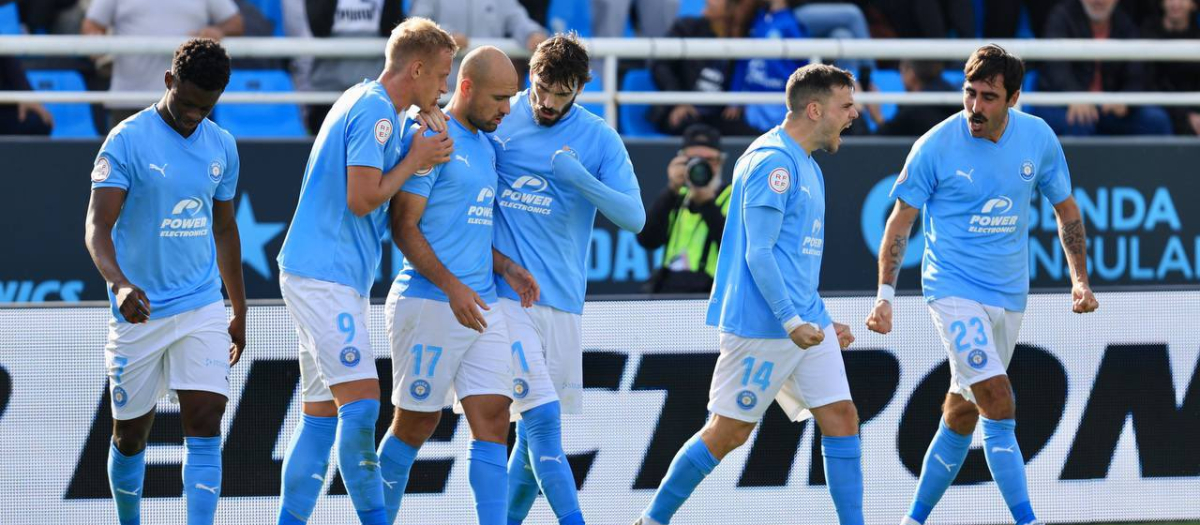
(887, 80)
(631, 118)
(690, 8)
(73, 120)
(596, 85)
(10, 21)
(570, 15)
(272, 10)
(260, 120)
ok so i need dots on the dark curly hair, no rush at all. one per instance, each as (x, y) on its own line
(203, 62)
(561, 60)
(991, 60)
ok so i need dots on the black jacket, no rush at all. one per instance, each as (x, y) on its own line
(914, 121)
(690, 75)
(320, 16)
(1069, 20)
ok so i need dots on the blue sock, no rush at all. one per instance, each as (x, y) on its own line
(522, 485)
(691, 464)
(202, 478)
(357, 460)
(395, 462)
(489, 481)
(304, 468)
(1008, 466)
(544, 429)
(843, 472)
(943, 460)
(125, 474)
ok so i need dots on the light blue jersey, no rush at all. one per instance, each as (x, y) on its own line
(326, 241)
(163, 237)
(775, 172)
(542, 224)
(976, 196)
(457, 220)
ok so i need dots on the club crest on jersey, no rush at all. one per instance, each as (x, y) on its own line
(101, 170)
(520, 388)
(780, 180)
(215, 171)
(977, 359)
(420, 390)
(1027, 171)
(746, 399)
(351, 356)
(120, 397)
(383, 130)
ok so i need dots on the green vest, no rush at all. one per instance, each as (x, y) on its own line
(687, 234)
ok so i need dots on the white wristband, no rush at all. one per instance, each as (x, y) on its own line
(792, 324)
(886, 293)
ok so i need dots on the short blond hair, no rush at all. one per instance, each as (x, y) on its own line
(416, 37)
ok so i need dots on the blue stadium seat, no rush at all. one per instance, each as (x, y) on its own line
(887, 80)
(272, 10)
(596, 85)
(631, 118)
(72, 120)
(260, 120)
(568, 15)
(690, 8)
(10, 21)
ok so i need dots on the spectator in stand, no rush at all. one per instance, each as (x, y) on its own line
(1001, 18)
(538, 10)
(709, 75)
(1098, 19)
(772, 19)
(930, 18)
(654, 17)
(467, 19)
(50, 16)
(214, 19)
(346, 19)
(1177, 21)
(914, 120)
(26, 118)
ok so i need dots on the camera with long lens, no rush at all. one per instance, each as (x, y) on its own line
(699, 172)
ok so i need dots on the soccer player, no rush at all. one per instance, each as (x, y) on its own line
(558, 164)
(160, 225)
(442, 343)
(974, 175)
(329, 258)
(777, 340)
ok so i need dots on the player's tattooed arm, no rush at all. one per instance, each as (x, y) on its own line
(1073, 236)
(406, 212)
(895, 241)
(103, 209)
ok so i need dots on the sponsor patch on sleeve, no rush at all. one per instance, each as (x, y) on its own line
(101, 170)
(780, 180)
(383, 130)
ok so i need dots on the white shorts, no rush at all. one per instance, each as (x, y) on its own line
(331, 324)
(436, 360)
(188, 351)
(752, 372)
(547, 355)
(979, 338)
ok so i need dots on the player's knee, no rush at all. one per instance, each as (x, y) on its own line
(414, 428)
(128, 443)
(839, 419)
(995, 398)
(726, 435)
(205, 420)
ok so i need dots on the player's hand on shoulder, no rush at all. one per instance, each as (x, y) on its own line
(1083, 300)
(431, 150)
(435, 120)
(132, 302)
(880, 318)
(237, 336)
(523, 283)
(807, 335)
(465, 304)
(845, 338)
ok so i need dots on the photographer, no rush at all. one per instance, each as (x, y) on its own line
(689, 215)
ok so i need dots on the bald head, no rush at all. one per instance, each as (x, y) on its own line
(486, 82)
(487, 65)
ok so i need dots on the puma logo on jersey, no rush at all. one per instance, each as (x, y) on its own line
(502, 142)
(965, 174)
(463, 159)
(162, 170)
